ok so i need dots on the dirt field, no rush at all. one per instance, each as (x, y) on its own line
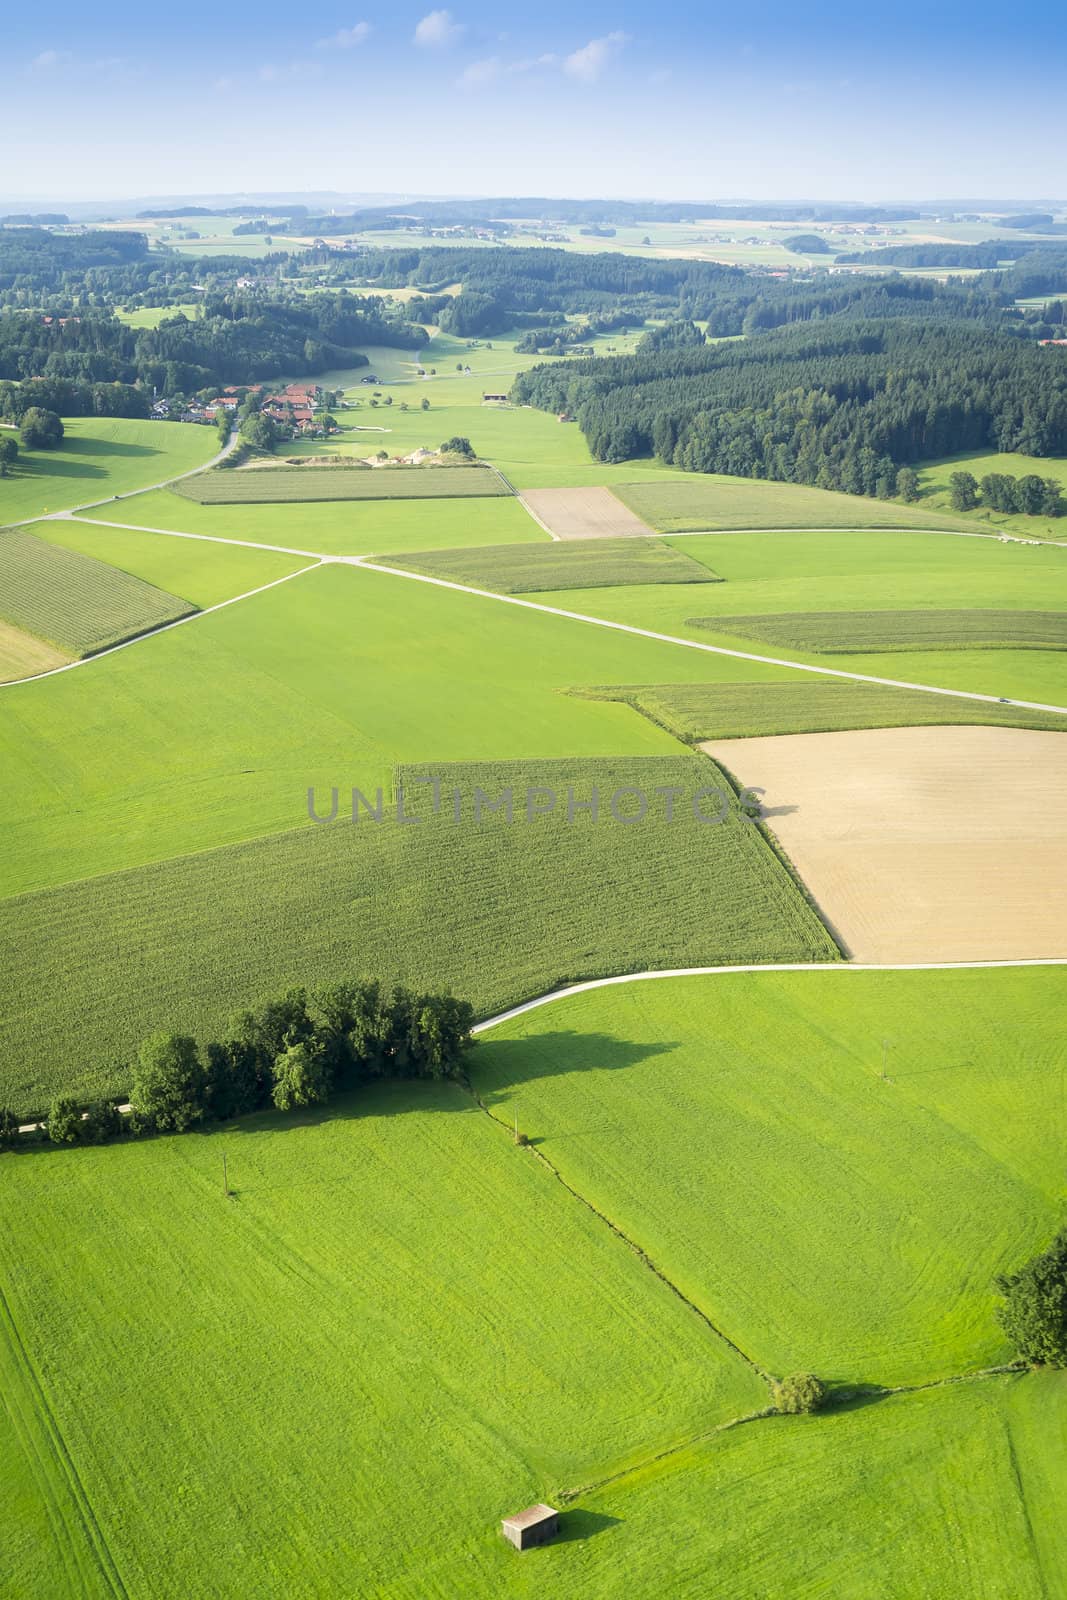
(584, 514)
(922, 844)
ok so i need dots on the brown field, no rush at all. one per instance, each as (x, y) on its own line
(21, 654)
(584, 514)
(922, 844)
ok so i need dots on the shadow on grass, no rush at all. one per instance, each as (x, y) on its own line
(498, 1067)
(577, 1524)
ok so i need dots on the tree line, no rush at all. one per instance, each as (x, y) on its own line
(299, 1048)
(838, 404)
(1028, 495)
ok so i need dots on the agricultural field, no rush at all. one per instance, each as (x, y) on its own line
(22, 654)
(584, 514)
(493, 909)
(101, 456)
(263, 485)
(73, 601)
(740, 1128)
(853, 632)
(152, 316)
(694, 502)
(584, 564)
(936, 493)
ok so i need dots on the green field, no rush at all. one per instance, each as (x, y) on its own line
(152, 316)
(730, 1121)
(492, 910)
(399, 1316)
(934, 481)
(262, 485)
(584, 563)
(378, 527)
(853, 632)
(696, 711)
(101, 456)
(692, 502)
(74, 601)
(201, 572)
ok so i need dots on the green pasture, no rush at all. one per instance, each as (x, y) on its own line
(827, 1218)
(263, 485)
(581, 563)
(493, 909)
(101, 456)
(152, 316)
(213, 732)
(936, 493)
(378, 527)
(398, 1330)
(696, 711)
(692, 502)
(201, 572)
(75, 601)
(852, 632)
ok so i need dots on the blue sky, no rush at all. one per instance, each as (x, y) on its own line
(679, 102)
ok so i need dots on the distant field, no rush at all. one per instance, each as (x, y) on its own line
(200, 572)
(586, 564)
(23, 654)
(152, 316)
(937, 494)
(586, 513)
(73, 601)
(727, 1121)
(399, 1315)
(691, 503)
(101, 456)
(495, 911)
(853, 632)
(285, 484)
(697, 711)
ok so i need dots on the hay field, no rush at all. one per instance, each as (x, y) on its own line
(581, 564)
(922, 844)
(592, 513)
(264, 485)
(690, 502)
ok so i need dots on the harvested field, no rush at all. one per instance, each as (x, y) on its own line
(540, 568)
(859, 632)
(22, 655)
(272, 485)
(584, 514)
(922, 844)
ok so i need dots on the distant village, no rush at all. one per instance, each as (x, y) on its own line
(298, 411)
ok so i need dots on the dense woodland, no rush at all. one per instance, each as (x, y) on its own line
(842, 404)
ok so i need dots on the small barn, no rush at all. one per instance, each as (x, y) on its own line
(496, 397)
(536, 1525)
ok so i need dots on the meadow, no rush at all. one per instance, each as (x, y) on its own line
(262, 485)
(398, 1315)
(152, 316)
(692, 502)
(936, 492)
(494, 910)
(851, 632)
(599, 563)
(101, 456)
(755, 1126)
(74, 601)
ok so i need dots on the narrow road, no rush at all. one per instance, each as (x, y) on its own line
(109, 499)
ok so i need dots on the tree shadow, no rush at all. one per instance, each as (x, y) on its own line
(507, 1063)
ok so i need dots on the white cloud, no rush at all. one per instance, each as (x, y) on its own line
(222, 84)
(437, 30)
(589, 62)
(347, 38)
(480, 73)
(49, 59)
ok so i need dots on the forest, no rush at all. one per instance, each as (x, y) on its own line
(841, 404)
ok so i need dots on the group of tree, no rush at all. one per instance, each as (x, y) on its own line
(1027, 495)
(40, 429)
(841, 404)
(1033, 1313)
(297, 1049)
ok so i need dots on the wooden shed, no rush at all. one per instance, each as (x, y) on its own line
(536, 1525)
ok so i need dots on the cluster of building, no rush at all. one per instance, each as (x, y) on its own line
(297, 408)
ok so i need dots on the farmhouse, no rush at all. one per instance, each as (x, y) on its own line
(536, 1525)
(494, 397)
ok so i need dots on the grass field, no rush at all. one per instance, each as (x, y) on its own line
(936, 493)
(152, 316)
(691, 502)
(201, 573)
(74, 601)
(726, 1121)
(101, 456)
(853, 632)
(494, 911)
(399, 1316)
(377, 527)
(23, 654)
(285, 484)
(215, 733)
(696, 711)
(587, 564)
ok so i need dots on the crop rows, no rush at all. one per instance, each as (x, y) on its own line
(583, 564)
(265, 485)
(856, 632)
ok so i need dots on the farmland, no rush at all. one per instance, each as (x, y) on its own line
(74, 601)
(853, 632)
(585, 564)
(492, 909)
(100, 456)
(937, 494)
(23, 654)
(283, 484)
(693, 502)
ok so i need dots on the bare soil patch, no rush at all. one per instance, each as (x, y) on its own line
(585, 514)
(922, 844)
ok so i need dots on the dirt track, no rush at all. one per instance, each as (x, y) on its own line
(584, 514)
(922, 844)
